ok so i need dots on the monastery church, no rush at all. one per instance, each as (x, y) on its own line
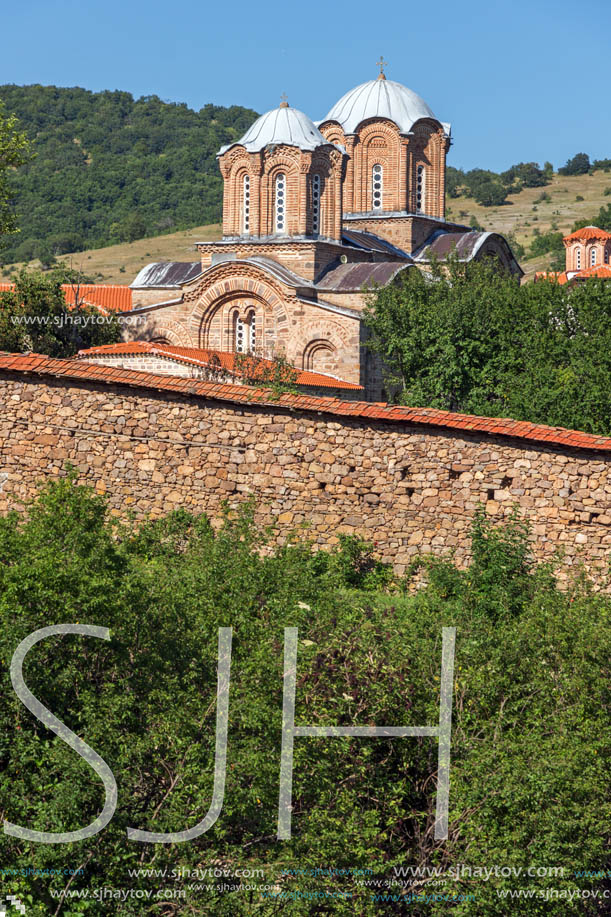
(314, 214)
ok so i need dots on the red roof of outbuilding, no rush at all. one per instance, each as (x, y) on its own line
(210, 358)
(599, 270)
(80, 370)
(105, 297)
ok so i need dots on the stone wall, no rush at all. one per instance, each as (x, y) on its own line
(407, 487)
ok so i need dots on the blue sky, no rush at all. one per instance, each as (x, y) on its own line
(523, 80)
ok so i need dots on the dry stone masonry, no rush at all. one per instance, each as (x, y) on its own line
(153, 443)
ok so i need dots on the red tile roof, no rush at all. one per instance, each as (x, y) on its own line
(557, 276)
(107, 298)
(602, 271)
(587, 233)
(599, 270)
(211, 359)
(37, 364)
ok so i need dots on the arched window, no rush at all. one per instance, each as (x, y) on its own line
(592, 257)
(315, 204)
(280, 203)
(245, 333)
(377, 185)
(578, 258)
(246, 205)
(239, 335)
(420, 189)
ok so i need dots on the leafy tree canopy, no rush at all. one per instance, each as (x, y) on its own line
(577, 165)
(35, 316)
(474, 340)
(14, 152)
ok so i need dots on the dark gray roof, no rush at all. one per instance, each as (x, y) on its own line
(441, 244)
(166, 274)
(353, 277)
(466, 246)
(370, 242)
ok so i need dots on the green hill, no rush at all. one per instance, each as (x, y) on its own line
(109, 168)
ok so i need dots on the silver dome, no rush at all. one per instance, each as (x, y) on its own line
(380, 98)
(281, 125)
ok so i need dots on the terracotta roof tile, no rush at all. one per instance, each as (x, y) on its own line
(241, 394)
(598, 270)
(196, 356)
(105, 297)
(587, 233)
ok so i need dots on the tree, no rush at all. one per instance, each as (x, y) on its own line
(528, 174)
(14, 152)
(35, 317)
(454, 180)
(474, 340)
(277, 374)
(490, 194)
(578, 165)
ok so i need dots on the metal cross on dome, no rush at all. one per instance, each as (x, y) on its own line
(381, 64)
(284, 100)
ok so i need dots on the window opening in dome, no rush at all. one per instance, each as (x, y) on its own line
(377, 177)
(315, 204)
(246, 205)
(420, 188)
(280, 202)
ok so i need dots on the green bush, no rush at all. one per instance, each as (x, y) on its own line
(477, 341)
(578, 165)
(529, 774)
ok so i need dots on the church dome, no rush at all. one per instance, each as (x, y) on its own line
(380, 98)
(282, 125)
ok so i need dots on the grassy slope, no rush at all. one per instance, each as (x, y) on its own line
(106, 264)
(516, 216)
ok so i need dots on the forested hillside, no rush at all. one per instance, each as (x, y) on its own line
(111, 168)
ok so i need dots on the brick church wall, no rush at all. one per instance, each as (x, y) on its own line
(408, 487)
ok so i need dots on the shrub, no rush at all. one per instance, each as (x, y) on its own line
(578, 165)
(530, 733)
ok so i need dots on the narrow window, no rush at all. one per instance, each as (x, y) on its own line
(578, 259)
(606, 256)
(592, 257)
(246, 205)
(280, 221)
(252, 333)
(240, 335)
(315, 204)
(377, 177)
(420, 189)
